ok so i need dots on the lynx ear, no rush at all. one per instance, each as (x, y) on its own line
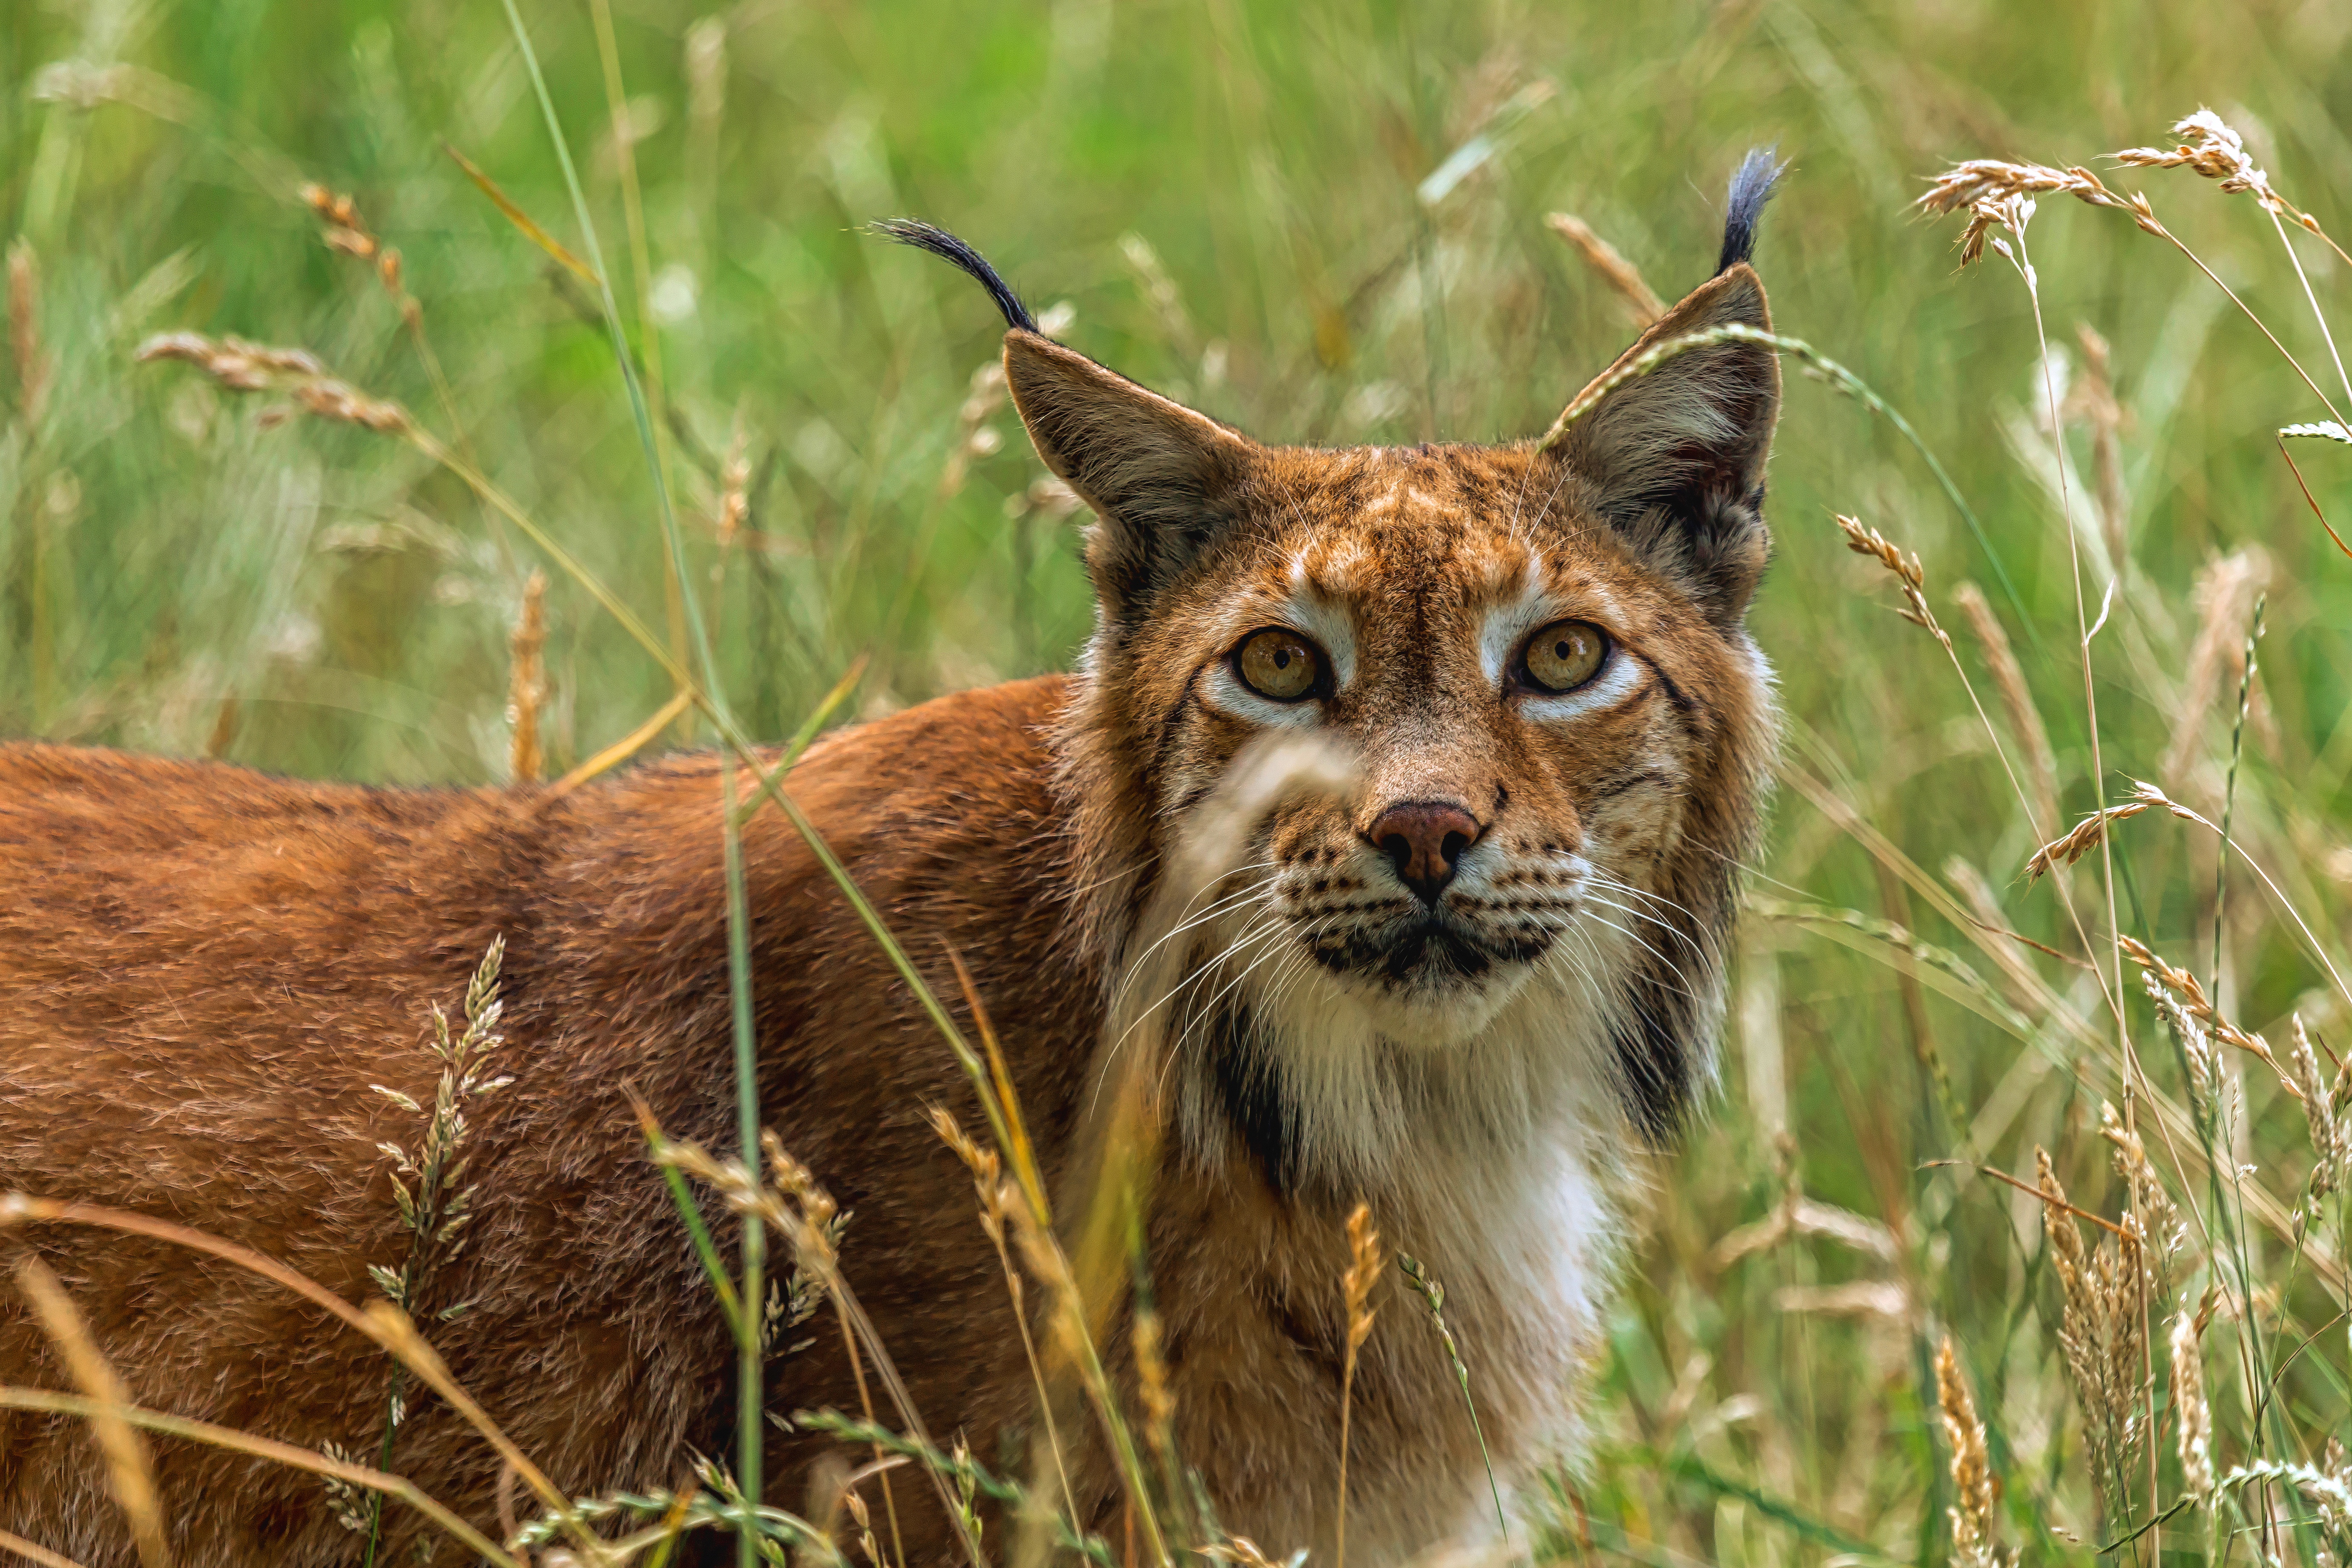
(1159, 477)
(1675, 458)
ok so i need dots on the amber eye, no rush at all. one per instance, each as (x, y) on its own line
(1564, 656)
(1279, 664)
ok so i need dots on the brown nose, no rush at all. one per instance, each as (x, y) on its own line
(1424, 840)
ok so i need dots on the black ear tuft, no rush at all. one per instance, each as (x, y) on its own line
(948, 248)
(1752, 187)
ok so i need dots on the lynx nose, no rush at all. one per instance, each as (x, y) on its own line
(1424, 840)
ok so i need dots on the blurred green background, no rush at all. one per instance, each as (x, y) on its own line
(1323, 222)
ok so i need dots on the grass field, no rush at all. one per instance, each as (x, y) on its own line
(1327, 223)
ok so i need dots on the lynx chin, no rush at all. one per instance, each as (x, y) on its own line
(1467, 979)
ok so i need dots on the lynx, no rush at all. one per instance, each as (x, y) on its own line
(1470, 991)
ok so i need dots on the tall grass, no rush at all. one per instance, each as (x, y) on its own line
(1861, 1323)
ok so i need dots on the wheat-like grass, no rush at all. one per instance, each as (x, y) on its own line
(1356, 1294)
(2081, 839)
(2190, 992)
(2210, 148)
(527, 682)
(2099, 1333)
(1905, 570)
(2324, 1109)
(1974, 1512)
(1634, 291)
(2192, 1416)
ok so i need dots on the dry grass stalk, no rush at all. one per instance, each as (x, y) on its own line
(2099, 1333)
(1976, 1496)
(2093, 399)
(1907, 570)
(128, 1469)
(1641, 302)
(241, 366)
(2191, 994)
(2192, 1416)
(33, 1552)
(2224, 597)
(2084, 837)
(527, 682)
(2016, 699)
(25, 332)
(1356, 1291)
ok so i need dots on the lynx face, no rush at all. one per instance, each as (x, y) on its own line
(1509, 696)
(1534, 653)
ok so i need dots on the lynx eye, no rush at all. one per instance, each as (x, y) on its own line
(1279, 665)
(1564, 656)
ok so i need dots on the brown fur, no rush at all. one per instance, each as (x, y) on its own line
(206, 968)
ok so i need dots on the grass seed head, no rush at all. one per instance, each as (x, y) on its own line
(1990, 189)
(2192, 1416)
(2211, 148)
(1363, 1273)
(2080, 841)
(2331, 1140)
(527, 681)
(1976, 1496)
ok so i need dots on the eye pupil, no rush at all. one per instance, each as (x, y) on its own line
(1278, 664)
(1565, 656)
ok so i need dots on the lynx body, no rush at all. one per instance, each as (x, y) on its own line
(1470, 991)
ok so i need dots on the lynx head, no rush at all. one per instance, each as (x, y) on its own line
(1536, 655)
